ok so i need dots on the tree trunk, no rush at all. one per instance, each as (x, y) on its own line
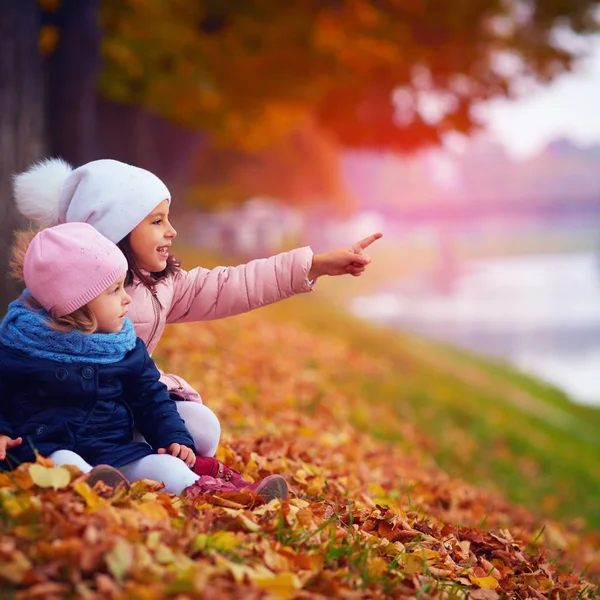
(72, 73)
(21, 118)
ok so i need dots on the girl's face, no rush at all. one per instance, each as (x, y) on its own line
(110, 307)
(151, 239)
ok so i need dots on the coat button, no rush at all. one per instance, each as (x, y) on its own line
(87, 372)
(61, 374)
(40, 429)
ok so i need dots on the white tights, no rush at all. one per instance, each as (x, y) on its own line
(172, 471)
(202, 424)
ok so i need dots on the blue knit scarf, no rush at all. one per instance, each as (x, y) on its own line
(27, 330)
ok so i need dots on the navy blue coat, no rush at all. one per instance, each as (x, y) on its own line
(90, 409)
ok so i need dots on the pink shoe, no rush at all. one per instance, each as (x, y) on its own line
(273, 486)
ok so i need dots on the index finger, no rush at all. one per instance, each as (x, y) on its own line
(366, 242)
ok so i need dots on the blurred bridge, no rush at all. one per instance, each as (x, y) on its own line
(450, 211)
(449, 217)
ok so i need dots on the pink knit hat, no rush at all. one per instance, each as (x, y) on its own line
(68, 265)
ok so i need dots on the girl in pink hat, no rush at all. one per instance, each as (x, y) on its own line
(73, 377)
(75, 380)
(130, 206)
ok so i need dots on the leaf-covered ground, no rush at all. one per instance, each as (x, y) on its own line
(370, 516)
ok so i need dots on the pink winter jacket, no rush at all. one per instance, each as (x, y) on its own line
(204, 295)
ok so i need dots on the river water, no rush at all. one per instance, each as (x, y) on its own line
(540, 313)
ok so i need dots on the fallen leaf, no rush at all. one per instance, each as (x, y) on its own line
(484, 582)
(282, 585)
(119, 560)
(49, 477)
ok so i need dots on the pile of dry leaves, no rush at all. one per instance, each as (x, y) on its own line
(366, 519)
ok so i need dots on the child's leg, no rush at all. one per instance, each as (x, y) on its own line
(202, 424)
(172, 471)
(110, 476)
(68, 457)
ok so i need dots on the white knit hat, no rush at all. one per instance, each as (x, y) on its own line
(112, 196)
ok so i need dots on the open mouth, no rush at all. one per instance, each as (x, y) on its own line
(163, 251)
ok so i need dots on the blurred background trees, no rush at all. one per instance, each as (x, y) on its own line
(231, 99)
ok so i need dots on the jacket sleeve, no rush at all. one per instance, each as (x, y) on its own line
(203, 294)
(154, 413)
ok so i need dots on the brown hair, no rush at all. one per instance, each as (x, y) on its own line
(173, 265)
(17, 253)
(81, 319)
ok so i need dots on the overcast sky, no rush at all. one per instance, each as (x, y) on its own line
(568, 107)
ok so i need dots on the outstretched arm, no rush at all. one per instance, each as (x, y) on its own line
(203, 294)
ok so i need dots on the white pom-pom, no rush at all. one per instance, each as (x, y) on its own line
(37, 190)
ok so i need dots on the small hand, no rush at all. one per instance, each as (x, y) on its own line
(180, 451)
(6, 442)
(352, 261)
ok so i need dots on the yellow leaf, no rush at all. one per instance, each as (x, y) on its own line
(376, 490)
(428, 553)
(221, 540)
(225, 454)
(315, 487)
(164, 554)
(240, 572)
(153, 539)
(307, 432)
(92, 499)
(53, 477)
(484, 582)
(120, 559)
(154, 511)
(377, 566)
(248, 523)
(283, 585)
(413, 563)
(13, 506)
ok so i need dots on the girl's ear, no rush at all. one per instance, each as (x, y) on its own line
(37, 191)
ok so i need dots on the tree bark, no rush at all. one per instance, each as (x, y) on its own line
(72, 74)
(21, 118)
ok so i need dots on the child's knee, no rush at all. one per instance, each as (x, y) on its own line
(172, 471)
(203, 425)
(68, 457)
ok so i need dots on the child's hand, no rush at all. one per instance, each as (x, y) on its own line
(6, 443)
(352, 261)
(180, 451)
